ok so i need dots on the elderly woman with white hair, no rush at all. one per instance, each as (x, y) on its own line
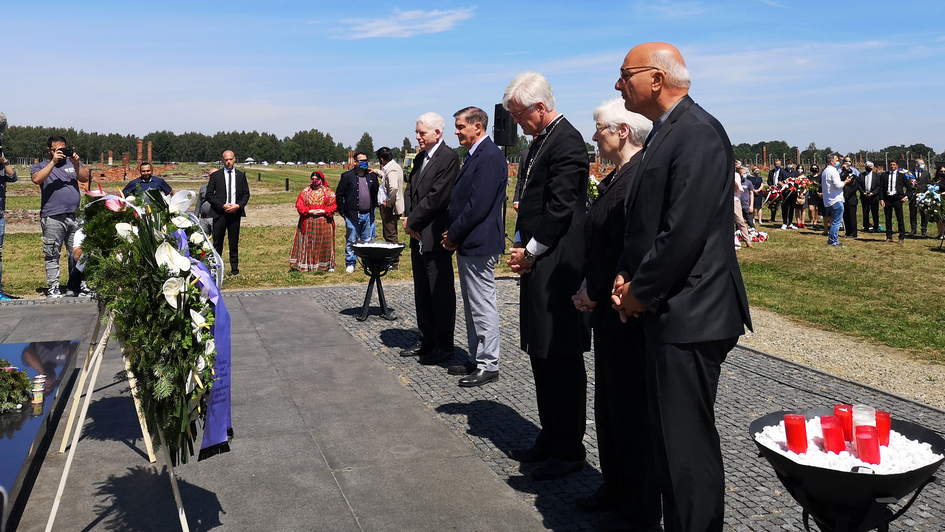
(629, 479)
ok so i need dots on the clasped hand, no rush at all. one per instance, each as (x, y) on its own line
(623, 299)
(518, 263)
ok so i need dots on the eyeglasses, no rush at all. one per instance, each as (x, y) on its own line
(519, 114)
(625, 76)
(601, 128)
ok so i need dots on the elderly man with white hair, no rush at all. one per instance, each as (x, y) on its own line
(549, 254)
(429, 187)
(630, 486)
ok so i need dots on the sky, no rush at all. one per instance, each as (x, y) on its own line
(846, 74)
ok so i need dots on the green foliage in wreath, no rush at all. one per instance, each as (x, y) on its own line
(161, 317)
(14, 387)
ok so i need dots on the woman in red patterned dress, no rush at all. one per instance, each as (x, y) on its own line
(314, 245)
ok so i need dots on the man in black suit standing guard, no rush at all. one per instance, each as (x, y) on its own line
(895, 192)
(678, 273)
(228, 194)
(430, 185)
(549, 255)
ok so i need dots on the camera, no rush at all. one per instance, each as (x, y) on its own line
(67, 152)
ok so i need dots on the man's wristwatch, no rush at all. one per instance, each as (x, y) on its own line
(529, 256)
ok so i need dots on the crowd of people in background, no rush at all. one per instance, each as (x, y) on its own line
(829, 199)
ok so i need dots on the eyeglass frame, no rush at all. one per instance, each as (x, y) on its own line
(518, 115)
(626, 78)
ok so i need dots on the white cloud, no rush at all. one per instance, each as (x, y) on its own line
(402, 24)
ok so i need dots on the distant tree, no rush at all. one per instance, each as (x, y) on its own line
(366, 144)
(397, 154)
(408, 145)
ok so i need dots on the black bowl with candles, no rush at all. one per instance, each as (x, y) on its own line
(849, 501)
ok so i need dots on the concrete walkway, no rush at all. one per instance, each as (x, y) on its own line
(326, 439)
(335, 431)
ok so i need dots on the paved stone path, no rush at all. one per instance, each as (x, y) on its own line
(336, 431)
(503, 415)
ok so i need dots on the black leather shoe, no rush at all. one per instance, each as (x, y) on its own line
(414, 350)
(435, 357)
(467, 368)
(556, 468)
(594, 504)
(235, 271)
(531, 454)
(478, 378)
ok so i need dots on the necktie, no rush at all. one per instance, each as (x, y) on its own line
(466, 158)
(892, 183)
(230, 185)
(869, 175)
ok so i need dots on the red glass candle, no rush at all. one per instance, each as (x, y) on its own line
(883, 423)
(833, 435)
(795, 428)
(867, 444)
(845, 414)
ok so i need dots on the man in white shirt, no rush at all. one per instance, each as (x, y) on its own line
(390, 195)
(832, 186)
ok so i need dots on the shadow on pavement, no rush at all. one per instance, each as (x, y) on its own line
(114, 419)
(130, 504)
(507, 430)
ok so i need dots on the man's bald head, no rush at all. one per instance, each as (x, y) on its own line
(653, 78)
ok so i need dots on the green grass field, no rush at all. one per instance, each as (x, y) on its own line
(886, 293)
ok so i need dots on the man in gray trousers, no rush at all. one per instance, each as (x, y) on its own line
(476, 232)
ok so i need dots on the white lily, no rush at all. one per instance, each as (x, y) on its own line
(198, 322)
(166, 255)
(172, 288)
(182, 222)
(197, 238)
(210, 348)
(201, 363)
(126, 231)
(181, 201)
(191, 383)
(130, 198)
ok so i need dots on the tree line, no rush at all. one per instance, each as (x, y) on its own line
(167, 146)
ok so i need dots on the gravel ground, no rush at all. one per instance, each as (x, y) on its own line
(892, 370)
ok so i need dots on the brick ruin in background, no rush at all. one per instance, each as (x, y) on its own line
(111, 159)
(138, 160)
(149, 151)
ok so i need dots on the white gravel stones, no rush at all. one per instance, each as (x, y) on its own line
(902, 454)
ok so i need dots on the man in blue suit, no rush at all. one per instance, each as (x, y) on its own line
(476, 233)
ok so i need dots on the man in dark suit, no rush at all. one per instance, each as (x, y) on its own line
(549, 253)
(477, 234)
(356, 196)
(922, 180)
(850, 200)
(429, 188)
(678, 273)
(895, 192)
(228, 194)
(869, 197)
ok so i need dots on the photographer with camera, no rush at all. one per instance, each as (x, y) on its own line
(58, 178)
(9, 176)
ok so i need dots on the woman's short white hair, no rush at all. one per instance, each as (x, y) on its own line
(613, 114)
(432, 121)
(677, 75)
(529, 88)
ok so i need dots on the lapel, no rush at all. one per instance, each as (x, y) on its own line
(470, 160)
(650, 151)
